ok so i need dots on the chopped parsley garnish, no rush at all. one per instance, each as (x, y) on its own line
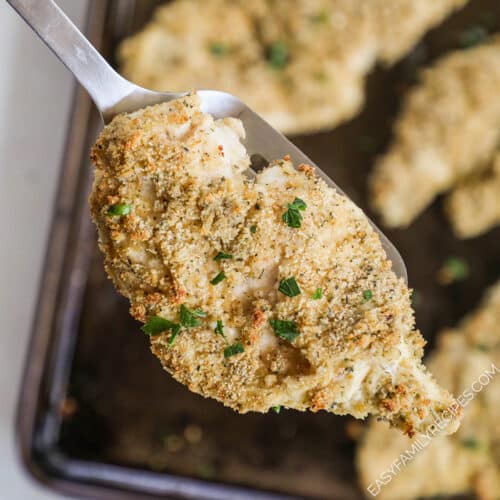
(206, 471)
(223, 256)
(453, 269)
(298, 204)
(233, 349)
(318, 294)
(253, 229)
(482, 347)
(277, 55)
(320, 17)
(276, 409)
(367, 144)
(217, 279)
(289, 287)
(219, 48)
(119, 209)
(292, 217)
(175, 331)
(157, 325)
(189, 319)
(320, 76)
(472, 36)
(285, 329)
(367, 295)
(219, 329)
(416, 298)
(470, 443)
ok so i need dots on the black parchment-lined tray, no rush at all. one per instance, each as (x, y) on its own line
(98, 417)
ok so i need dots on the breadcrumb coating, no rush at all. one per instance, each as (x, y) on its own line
(469, 460)
(301, 64)
(474, 206)
(449, 128)
(182, 176)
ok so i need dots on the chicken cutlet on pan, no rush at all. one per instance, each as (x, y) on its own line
(301, 64)
(256, 292)
(468, 461)
(474, 206)
(449, 128)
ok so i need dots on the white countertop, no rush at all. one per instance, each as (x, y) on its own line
(35, 97)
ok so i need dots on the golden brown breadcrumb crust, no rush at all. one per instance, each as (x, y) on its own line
(180, 173)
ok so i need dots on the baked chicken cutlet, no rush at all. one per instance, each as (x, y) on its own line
(467, 360)
(256, 291)
(448, 131)
(301, 64)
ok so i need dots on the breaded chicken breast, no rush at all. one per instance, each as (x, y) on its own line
(258, 292)
(299, 63)
(467, 361)
(474, 206)
(449, 128)
(399, 24)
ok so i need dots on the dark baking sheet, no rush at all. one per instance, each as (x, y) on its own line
(107, 415)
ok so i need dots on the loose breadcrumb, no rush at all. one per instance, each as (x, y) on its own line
(344, 352)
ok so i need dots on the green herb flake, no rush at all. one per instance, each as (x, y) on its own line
(219, 49)
(482, 347)
(157, 325)
(470, 443)
(253, 229)
(176, 328)
(276, 409)
(473, 36)
(277, 55)
(416, 298)
(454, 269)
(223, 256)
(206, 471)
(298, 204)
(189, 319)
(292, 217)
(119, 209)
(320, 76)
(289, 287)
(217, 279)
(219, 329)
(285, 329)
(233, 349)
(367, 144)
(367, 295)
(318, 294)
(320, 17)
